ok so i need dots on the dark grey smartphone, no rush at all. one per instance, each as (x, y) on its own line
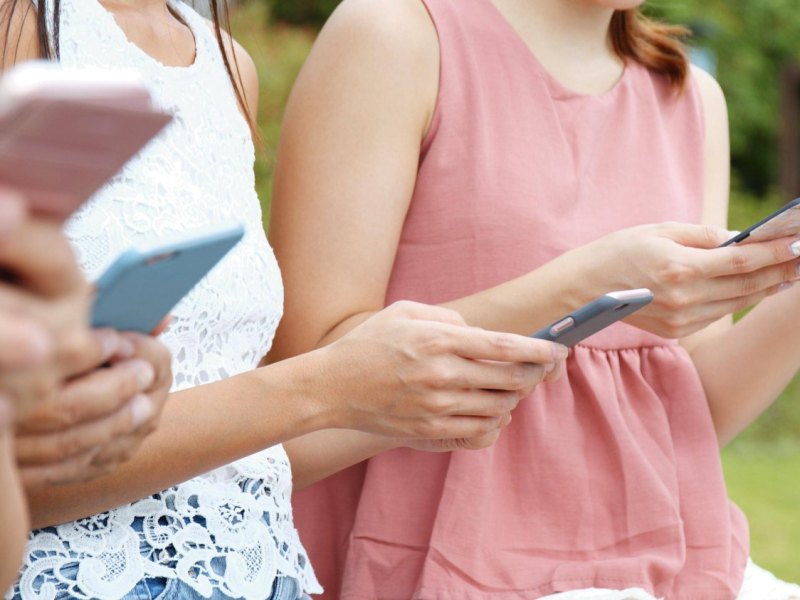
(595, 316)
(784, 222)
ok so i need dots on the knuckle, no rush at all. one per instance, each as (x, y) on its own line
(520, 376)
(68, 445)
(740, 262)
(428, 429)
(439, 377)
(433, 342)
(674, 300)
(676, 272)
(750, 285)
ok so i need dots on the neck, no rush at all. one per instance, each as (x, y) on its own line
(574, 28)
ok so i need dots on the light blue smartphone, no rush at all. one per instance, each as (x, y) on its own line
(140, 288)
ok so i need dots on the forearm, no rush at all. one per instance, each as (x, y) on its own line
(202, 428)
(522, 305)
(13, 515)
(746, 367)
(320, 454)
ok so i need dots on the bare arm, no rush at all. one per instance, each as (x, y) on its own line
(13, 514)
(743, 367)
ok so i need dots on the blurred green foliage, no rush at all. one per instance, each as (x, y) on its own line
(302, 12)
(754, 41)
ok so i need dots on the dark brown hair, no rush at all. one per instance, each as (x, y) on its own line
(655, 45)
(48, 38)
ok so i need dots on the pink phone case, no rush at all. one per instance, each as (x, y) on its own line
(58, 148)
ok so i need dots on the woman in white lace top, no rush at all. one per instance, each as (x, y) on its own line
(204, 509)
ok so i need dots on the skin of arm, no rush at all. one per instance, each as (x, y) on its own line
(13, 513)
(743, 367)
(349, 114)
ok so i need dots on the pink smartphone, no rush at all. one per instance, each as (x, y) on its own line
(65, 132)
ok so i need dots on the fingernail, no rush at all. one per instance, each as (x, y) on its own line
(795, 248)
(560, 352)
(144, 373)
(548, 367)
(141, 410)
(108, 340)
(126, 349)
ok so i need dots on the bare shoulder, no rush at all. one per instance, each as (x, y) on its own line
(240, 59)
(381, 47)
(711, 94)
(19, 40)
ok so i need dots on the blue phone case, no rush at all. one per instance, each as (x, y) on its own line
(140, 288)
(595, 316)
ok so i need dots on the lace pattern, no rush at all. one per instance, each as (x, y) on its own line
(230, 530)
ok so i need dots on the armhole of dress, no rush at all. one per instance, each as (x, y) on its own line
(436, 117)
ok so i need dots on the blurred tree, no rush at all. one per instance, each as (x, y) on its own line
(310, 12)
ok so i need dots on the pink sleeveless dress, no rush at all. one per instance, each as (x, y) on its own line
(607, 478)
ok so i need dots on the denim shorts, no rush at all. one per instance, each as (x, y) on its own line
(284, 588)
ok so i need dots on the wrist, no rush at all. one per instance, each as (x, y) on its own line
(302, 383)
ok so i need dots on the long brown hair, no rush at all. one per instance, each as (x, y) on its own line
(655, 45)
(49, 44)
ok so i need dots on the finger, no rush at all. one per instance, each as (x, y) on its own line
(747, 258)
(465, 427)
(738, 286)
(86, 351)
(23, 342)
(483, 403)
(119, 451)
(76, 469)
(501, 376)
(162, 326)
(155, 353)
(478, 344)
(12, 212)
(40, 256)
(695, 236)
(426, 312)
(47, 448)
(90, 397)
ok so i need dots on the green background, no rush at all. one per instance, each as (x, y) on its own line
(753, 40)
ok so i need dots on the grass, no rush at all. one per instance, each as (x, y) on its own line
(762, 467)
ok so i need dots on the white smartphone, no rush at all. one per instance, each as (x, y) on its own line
(595, 316)
(140, 288)
(64, 132)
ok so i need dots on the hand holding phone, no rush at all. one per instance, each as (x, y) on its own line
(595, 316)
(64, 132)
(140, 288)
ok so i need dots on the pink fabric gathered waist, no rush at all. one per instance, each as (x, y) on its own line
(607, 478)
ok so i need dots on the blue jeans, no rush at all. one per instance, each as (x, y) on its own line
(284, 588)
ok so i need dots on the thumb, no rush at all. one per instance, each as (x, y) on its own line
(696, 236)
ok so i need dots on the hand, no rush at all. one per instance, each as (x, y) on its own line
(695, 282)
(98, 419)
(44, 305)
(416, 371)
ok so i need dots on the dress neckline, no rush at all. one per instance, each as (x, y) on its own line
(558, 90)
(175, 7)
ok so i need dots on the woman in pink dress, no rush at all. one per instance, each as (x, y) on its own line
(514, 159)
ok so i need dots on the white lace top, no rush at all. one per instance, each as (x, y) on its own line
(230, 530)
